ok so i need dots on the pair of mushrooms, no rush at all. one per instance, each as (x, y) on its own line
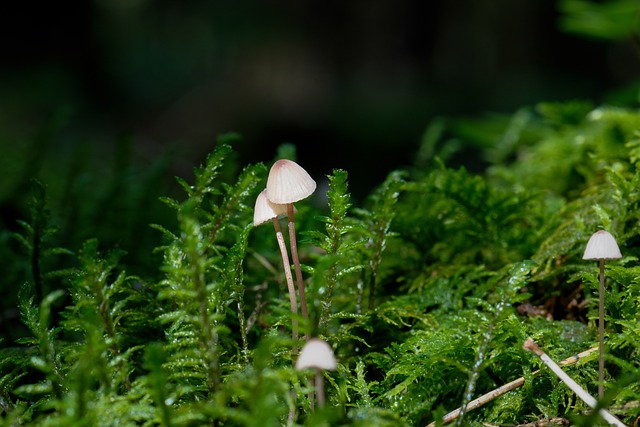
(287, 183)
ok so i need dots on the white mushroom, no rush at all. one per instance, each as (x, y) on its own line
(264, 211)
(601, 246)
(287, 183)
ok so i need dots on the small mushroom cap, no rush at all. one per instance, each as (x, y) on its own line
(602, 245)
(265, 210)
(316, 354)
(288, 182)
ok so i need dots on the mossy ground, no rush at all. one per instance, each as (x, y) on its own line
(426, 290)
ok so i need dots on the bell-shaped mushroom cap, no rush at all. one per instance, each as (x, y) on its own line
(602, 245)
(265, 210)
(316, 354)
(288, 182)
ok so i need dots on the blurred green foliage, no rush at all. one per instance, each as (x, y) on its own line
(609, 20)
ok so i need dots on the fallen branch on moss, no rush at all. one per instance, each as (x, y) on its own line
(531, 346)
(546, 422)
(494, 394)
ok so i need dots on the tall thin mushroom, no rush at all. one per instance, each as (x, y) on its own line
(264, 211)
(288, 183)
(601, 246)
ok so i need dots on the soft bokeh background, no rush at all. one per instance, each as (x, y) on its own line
(105, 101)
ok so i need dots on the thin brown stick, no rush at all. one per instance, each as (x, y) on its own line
(293, 244)
(545, 422)
(557, 421)
(494, 394)
(292, 292)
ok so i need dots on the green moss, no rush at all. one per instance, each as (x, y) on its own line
(426, 292)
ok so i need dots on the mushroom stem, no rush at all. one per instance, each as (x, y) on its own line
(292, 292)
(320, 387)
(296, 264)
(601, 246)
(601, 333)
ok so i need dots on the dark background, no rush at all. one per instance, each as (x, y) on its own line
(106, 101)
(353, 84)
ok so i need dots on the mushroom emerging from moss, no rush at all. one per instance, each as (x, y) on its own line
(264, 211)
(317, 354)
(287, 183)
(601, 246)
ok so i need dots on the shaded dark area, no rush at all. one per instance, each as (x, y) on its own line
(352, 85)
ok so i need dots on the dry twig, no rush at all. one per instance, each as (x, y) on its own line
(546, 422)
(494, 394)
(531, 346)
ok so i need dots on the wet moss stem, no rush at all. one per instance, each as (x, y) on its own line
(209, 337)
(477, 365)
(109, 328)
(292, 292)
(243, 329)
(331, 282)
(380, 232)
(296, 264)
(35, 259)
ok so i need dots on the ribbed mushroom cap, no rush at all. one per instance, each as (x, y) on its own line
(316, 354)
(265, 210)
(602, 245)
(288, 182)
